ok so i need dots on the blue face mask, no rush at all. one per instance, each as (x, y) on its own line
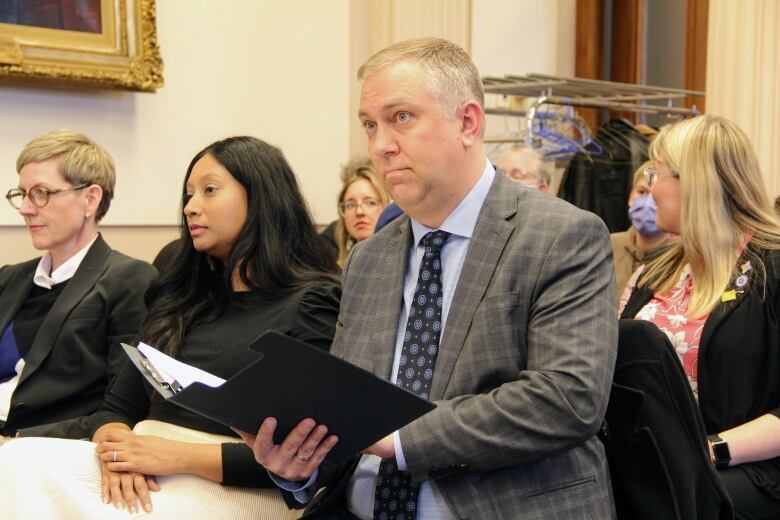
(642, 213)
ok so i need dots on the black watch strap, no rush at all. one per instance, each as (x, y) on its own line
(720, 451)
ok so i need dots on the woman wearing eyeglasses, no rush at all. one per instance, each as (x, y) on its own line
(361, 200)
(250, 260)
(715, 294)
(61, 315)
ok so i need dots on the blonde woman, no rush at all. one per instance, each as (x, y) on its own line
(716, 295)
(63, 315)
(250, 260)
(361, 200)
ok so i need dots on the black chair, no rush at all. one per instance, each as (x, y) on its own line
(654, 435)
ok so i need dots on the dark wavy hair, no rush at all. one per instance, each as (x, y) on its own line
(277, 251)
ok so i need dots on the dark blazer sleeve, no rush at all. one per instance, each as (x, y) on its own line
(126, 400)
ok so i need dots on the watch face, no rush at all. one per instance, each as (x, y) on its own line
(721, 451)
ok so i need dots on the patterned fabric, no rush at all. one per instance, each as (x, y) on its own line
(507, 373)
(667, 312)
(395, 495)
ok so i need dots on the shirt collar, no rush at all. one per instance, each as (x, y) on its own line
(64, 272)
(463, 218)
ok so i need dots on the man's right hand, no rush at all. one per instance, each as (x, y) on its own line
(299, 454)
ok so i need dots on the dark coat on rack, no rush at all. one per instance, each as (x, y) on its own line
(601, 179)
(656, 441)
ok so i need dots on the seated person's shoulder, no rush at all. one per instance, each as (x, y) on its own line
(320, 293)
(542, 207)
(619, 238)
(122, 265)
(10, 270)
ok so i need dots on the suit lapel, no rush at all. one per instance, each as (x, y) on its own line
(390, 291)
(88, 273)
(490, 236)
(15, 294)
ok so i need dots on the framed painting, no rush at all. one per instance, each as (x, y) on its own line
(80, 43)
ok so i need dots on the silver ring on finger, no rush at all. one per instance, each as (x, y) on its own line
(114, 457)
(304, 458)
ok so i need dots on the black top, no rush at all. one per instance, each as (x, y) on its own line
(30, 316)
(739, 356)
(221, 348)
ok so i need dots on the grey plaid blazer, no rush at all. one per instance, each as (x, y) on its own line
(525, 365)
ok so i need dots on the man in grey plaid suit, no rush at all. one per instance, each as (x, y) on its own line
(522, 372)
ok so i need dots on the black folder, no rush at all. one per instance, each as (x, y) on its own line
(291, 381)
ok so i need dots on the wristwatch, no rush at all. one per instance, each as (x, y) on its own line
(720, 451)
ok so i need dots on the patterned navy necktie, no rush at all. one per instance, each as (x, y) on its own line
(395, 496)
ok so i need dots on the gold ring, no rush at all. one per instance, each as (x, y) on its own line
(298, 454)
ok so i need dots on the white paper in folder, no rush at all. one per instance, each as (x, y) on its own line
(174, 371)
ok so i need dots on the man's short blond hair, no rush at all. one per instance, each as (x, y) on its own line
(82, 161)
(452, 78)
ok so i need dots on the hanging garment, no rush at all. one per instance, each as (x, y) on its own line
(600, 181)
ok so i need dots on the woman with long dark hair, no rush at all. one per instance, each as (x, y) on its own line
(250, 260)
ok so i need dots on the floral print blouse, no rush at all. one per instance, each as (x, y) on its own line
(667, 312)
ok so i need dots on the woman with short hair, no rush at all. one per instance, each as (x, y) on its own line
(250, 260)
(63, 315)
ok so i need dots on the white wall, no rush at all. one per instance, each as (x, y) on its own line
(522, 36)
(282, 70)
(274, 69)
(743, 75)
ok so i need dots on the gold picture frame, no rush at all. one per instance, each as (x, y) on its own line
(119, 52)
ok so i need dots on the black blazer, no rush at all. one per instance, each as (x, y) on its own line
(75, 353)
(739, 356)
(656, 444)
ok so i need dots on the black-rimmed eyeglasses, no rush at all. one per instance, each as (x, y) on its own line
(39, 195)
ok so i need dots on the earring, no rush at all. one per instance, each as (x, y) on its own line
(86, 216)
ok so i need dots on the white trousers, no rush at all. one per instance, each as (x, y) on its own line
(44, 478)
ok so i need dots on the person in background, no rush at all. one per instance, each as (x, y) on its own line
(716, 294)
(361, 200)
(250, 260)
(493, 300)
(389, 214)
(526, 166)
(638, 243)
(63, 315)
